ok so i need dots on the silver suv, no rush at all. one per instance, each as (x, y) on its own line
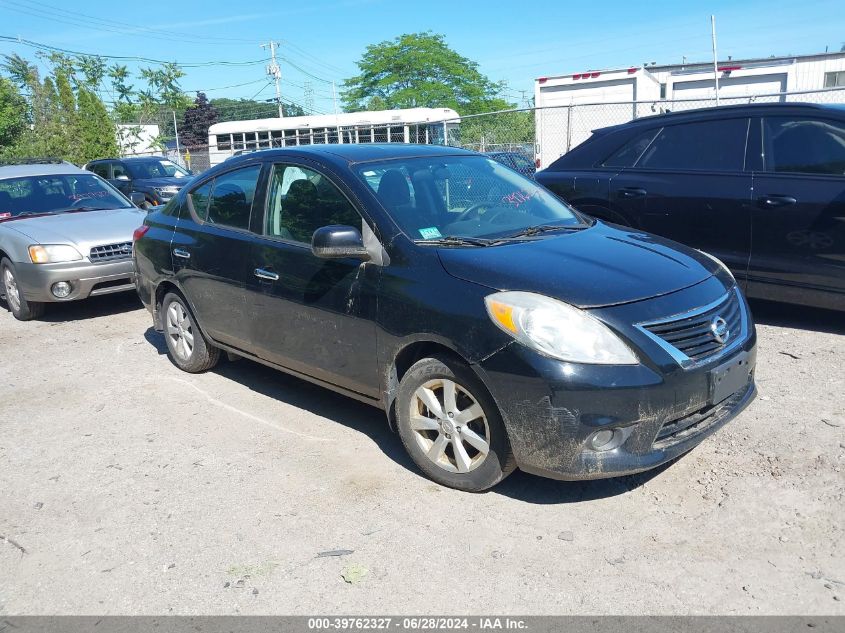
(65, 234)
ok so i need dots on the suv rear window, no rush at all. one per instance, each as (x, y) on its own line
(712, 145)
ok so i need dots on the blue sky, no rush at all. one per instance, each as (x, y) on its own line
(322, 39)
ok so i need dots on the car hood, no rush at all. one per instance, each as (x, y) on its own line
(161, 182)
(595, 267)
(83, 229)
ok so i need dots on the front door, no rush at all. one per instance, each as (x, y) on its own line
(211, 247)
(692, 183)
(312, 315)
(799, 219)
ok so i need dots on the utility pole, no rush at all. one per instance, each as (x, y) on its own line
(715, 57)
(275, 72)
(176, 131)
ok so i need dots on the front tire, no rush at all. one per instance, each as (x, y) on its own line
(186, 345)
(451, 427)
(20, 308)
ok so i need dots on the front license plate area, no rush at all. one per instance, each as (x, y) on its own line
(729, 378)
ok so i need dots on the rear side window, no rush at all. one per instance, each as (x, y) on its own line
(808, 146)
(627, 155)
(710, 145)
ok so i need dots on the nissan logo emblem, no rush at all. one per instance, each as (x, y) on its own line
(719, 329)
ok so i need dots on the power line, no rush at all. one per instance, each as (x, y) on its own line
(147, 60)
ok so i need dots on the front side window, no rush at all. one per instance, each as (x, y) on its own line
(717, 145)
(119, 169)
(462, 196)
(301, 201)
(57, 194)
(227, 199)
(807, 146)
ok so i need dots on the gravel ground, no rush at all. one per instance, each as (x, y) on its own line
(129, 487)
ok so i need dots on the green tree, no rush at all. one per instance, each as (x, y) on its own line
(420, 70)
(97, 133)
(13, 115)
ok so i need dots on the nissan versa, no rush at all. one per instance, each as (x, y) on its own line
(497, 327)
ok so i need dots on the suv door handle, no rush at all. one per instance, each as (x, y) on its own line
(770, 201)
(269, 275)
(181, 252)
(631, 192)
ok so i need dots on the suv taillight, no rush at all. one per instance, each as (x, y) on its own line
(138, 233)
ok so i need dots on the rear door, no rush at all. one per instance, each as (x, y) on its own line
(690, 185)
(312, 315)
(211, 247)
(799, 215)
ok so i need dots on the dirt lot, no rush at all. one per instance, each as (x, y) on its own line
(127, 486)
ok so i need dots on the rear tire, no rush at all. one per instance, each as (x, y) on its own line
(186, 345)
(451, 426)
(20, 308)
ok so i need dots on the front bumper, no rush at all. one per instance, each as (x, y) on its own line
(85, 278)
(552, 408)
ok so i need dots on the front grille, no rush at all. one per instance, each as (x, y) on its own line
(693, 334)
(109, 252)
(679, 429)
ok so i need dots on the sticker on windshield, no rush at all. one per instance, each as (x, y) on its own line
(430, 233)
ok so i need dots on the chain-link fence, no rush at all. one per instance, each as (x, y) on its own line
(544, 134)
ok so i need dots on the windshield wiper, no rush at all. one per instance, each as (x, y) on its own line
(531, 231)
(89, 208)
(454, 240)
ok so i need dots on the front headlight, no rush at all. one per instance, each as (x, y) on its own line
(719, 262)
(53, 253)
(557, 329)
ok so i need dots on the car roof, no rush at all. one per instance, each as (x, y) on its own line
(355, 152)
(35, 168)
(130, 159)
(749, 109)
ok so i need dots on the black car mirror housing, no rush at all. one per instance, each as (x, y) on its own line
(339, 242)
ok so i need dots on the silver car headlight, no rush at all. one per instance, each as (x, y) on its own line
(557, 329)
(53, 253)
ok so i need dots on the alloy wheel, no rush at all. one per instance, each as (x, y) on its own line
(180, 331)
(12, 293)
(450, 426)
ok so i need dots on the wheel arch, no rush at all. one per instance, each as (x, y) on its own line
(404, 359)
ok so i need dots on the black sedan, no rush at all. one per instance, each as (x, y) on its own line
(494, 325)
(761, 187)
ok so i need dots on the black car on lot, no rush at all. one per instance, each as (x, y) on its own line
(496, 326)
(761, 187)
(515, 160)
(157, 178)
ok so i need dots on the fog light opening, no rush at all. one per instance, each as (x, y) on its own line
(606, 439)
(61, 289)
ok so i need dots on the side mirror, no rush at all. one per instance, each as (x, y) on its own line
(339, 242)
(122, 178)
(137, 198)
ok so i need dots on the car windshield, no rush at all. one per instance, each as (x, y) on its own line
(155, 169)
(57, 193)
(465, 197)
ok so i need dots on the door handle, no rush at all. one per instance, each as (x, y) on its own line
(181, 252)
(632, 192)
(770, 202)
(269, 275)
